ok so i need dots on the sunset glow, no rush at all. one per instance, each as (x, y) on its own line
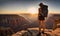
(32, 10)
(31, 7)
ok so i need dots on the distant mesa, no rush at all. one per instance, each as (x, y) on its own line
(13, 21)
(17, 23)
(49, 22)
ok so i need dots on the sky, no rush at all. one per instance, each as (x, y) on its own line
(27, 6)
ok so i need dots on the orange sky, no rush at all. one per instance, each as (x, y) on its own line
(18, 7)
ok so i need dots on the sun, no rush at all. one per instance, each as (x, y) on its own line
(32, 10)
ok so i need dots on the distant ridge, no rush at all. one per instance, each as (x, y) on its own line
(13, 21)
